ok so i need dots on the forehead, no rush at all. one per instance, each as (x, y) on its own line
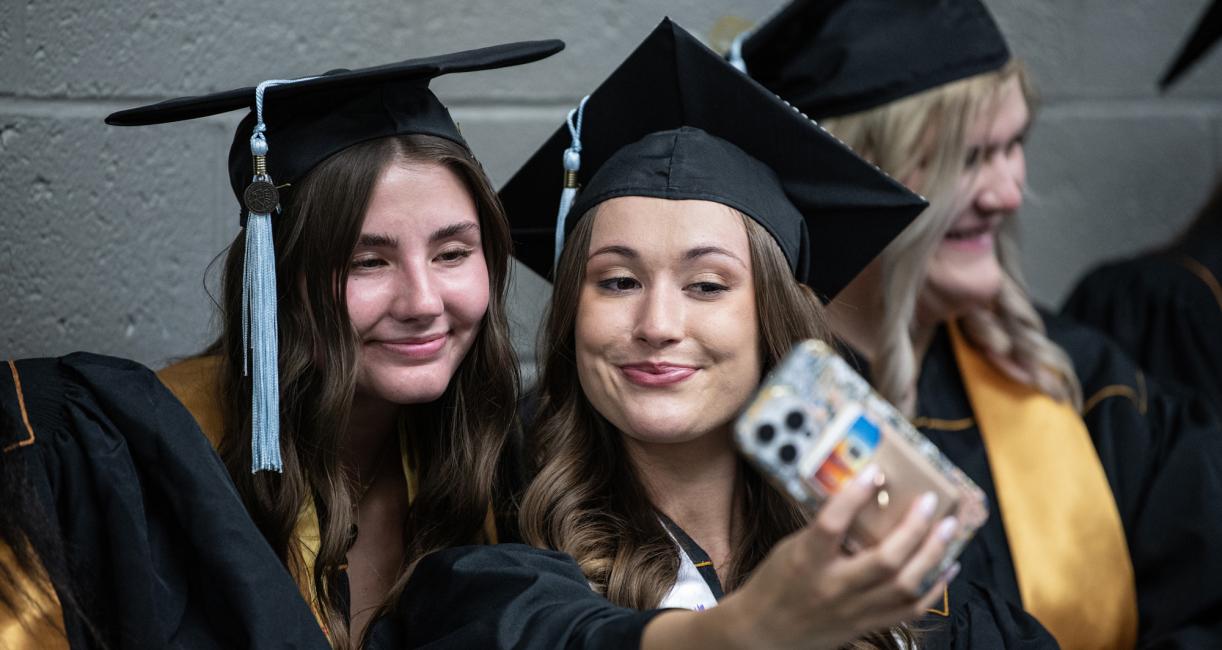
(668, 228)
(418, 196)
(1003, 118)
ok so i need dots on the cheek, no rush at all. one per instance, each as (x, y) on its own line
(468, 293)
(590, 332)
(1019, 167)
(367, 300)
(730, 333)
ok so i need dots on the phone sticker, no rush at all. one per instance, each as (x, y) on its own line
(850, 455)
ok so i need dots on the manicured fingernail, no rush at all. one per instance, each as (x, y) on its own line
(926, 504)
(946, 529)
(866, 477)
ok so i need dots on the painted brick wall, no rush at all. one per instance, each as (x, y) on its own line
(106, 233)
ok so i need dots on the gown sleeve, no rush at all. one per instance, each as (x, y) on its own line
(974, 616)
(1163, 315)
(506, 596)
(1162, 453)
(514, 596)
(158, 545)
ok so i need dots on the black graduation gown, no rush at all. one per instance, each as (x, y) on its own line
(515, 596)
(1163, 458)
(1165, 311)
(156, 540)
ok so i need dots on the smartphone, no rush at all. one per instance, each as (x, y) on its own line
(815, 423)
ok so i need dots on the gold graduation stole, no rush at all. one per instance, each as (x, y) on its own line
(1070, 554)
(195, 383)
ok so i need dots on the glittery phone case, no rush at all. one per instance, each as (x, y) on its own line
(815, 423)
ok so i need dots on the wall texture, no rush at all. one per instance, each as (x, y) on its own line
(106, 233)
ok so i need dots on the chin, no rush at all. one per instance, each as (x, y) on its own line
(962, 286)
(663, 425)
(408, 387)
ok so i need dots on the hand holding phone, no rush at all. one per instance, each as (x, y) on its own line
(815, 424)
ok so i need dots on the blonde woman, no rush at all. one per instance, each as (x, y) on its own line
(1088, 466)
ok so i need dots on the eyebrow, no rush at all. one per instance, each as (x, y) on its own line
(615, 249)
(453, 230)
(702, 251)
(383, 240)
(377, 240)
(691, 254)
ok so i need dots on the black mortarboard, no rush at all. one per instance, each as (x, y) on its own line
(1206, 33)
(309, 120)
(676, 121)
(835, 57)
(293, 125)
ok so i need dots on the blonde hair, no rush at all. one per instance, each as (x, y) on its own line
(926, 133)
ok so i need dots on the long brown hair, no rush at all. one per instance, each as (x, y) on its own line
(456, 440)
(587, 499)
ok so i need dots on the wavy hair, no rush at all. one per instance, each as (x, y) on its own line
(926, 133)
(587, 498)
(456, 440)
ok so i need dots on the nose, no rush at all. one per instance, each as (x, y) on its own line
(1003, 182)
(660, 318)
(418, 297)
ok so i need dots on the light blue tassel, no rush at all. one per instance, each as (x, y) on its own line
(735, 55)
(259, 289)
(259, 326)
(572, 164)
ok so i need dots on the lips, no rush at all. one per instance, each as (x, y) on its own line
(654, 375)
(977, 237)
(415, 347)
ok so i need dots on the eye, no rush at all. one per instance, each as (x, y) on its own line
(1016, 144)
(707, 288)
(367, 263)
(619, 284)
(973, 158)
(454, 255)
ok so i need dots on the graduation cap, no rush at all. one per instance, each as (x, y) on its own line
(676, 121)
(835, 57)
(1206, 33)
(292, 126)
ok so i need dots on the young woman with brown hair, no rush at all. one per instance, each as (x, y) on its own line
(688, 269)
(363, 385)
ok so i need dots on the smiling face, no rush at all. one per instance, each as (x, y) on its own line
(667, 341)
(964, 271)
(417, 284)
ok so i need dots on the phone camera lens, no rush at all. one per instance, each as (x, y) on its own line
(765, 432)
(795, 419)
(788, 453)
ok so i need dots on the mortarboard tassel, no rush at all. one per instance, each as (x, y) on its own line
(572, 164)
(735, 55)
(259, 325)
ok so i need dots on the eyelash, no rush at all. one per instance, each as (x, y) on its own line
(704, 289)
(974, 154)
(455, 255)
(610, 284)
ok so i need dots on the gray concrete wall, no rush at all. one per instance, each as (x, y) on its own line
(106, 233)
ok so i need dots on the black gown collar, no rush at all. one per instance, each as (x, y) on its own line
(701, 559)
